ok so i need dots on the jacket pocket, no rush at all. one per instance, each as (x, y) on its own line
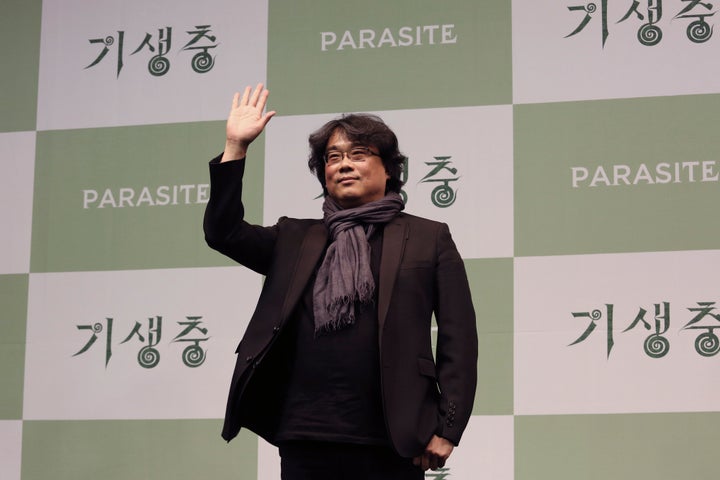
(414, 265)
(426, 367)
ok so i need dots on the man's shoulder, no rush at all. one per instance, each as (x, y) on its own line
(292, 223)
(414, 219)
(298, 221)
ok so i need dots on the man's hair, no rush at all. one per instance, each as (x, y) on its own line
(363, 129)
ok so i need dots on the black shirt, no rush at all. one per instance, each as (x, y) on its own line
(334, 392)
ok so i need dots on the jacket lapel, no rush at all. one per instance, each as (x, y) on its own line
(394, 237)
(310, 251)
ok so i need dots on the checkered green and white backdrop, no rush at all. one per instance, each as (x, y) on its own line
(571, 146)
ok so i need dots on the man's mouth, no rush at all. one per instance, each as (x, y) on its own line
(346, 179)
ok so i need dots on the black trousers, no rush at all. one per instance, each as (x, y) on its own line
(306, 460)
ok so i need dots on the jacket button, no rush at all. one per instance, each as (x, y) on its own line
(276, 329)
(249, 359)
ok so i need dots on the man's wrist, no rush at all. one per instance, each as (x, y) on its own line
(234, 151)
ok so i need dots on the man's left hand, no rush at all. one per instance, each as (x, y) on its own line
(435, 455)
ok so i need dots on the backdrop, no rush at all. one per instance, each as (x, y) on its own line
(571, 147)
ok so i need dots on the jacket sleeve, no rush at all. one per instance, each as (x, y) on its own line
(224, 223)
(456, 348)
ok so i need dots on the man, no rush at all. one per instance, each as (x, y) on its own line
(336, 364)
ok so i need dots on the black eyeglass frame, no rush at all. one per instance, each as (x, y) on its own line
(358, 153)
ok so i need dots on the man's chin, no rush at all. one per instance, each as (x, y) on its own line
(347, 200)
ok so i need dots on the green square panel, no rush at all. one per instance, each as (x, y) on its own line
(328, 56)
(491, 282)
(662, 446)
(617, 176)
(129, 197)
(20, 34)
(142, 449)
(13, 298)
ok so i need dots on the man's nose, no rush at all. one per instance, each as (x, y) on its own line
(346, 163)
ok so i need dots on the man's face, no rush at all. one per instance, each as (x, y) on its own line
(350, 183)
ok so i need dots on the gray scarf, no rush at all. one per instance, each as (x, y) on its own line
(344, 277)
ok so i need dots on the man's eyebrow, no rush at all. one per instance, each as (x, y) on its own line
(352, 145)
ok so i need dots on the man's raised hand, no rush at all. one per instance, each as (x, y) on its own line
(246, 121)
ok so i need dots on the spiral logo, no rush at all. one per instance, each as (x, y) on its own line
(649, 35)
(202, 62)
(656, 346)
(707, 344)
(97, 328)
(158, 65)
(590, 8)
(148, 357)
(193, 356)
(443, 196)
(596, 314)
(699, 31)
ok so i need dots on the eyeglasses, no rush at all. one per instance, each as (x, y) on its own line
(355, 154)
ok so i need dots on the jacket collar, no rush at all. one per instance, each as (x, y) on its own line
(394, 237)
(313, 245)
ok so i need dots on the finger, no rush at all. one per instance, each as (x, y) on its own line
(425, 462)
(433, 463)
(256, 95)
(246, 95)
(416, 461)
(267, 118)
(263, 100)
(236, 99)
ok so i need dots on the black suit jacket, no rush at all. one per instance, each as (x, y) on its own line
(421, 273)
